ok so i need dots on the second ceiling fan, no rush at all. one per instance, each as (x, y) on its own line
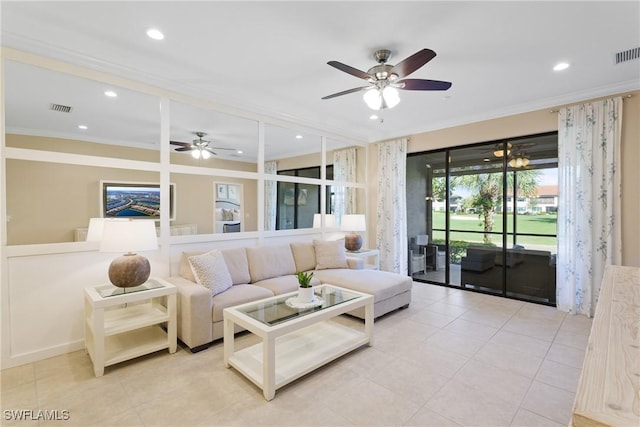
(385, 79)
(199, 148)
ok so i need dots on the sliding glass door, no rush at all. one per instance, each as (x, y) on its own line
(487, 221)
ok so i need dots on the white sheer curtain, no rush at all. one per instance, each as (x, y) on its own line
(270, 196)
(589, 208)
(391, 212)
(344, 169)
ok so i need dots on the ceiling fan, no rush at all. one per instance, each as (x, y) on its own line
(384, 79)
(199, 147)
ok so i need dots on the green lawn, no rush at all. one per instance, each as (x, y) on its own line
(533, 224)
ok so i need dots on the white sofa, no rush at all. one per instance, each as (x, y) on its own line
(265, 271)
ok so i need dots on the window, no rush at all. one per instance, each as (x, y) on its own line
(489, 221)
(297, 203)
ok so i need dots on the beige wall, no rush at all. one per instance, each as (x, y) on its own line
(532, 123)
(46, 202)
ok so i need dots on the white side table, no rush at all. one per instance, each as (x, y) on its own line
(366, 254)
(121, 324)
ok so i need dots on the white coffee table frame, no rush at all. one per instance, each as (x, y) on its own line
(294, 347)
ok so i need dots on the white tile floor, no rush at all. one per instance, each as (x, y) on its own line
(453, 358)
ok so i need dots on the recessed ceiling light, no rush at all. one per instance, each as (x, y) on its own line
(155, 34)
(373, 117)
(83, 127)
(110, 93)
(239, 151)
(561, 66)
(298, 136)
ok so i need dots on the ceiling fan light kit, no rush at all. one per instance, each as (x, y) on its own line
(385, 79)
(200, 148)
(499, 150)
(519, 161)
(379, 99)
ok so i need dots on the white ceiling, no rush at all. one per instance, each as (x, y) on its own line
(270, 57)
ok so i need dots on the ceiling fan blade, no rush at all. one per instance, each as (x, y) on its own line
(220, 148)
(350, 70)
(184, 149)
(412, 63)
(210, 151)
(419, 84)
(346, 92)
(184, 144)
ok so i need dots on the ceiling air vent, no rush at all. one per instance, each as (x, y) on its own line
(628, 55)
(60, 108)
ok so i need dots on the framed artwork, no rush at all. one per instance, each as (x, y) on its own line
(232, 192)
(222, 191)
(133, 200)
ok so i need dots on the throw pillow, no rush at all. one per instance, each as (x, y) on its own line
(227, 214)
(330, 254)
(211, 271)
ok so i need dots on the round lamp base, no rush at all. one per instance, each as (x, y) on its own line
(129, 270)
(352, 242)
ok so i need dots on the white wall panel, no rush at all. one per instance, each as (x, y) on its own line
(46, 310)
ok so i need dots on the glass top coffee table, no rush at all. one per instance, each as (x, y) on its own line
(296, 338)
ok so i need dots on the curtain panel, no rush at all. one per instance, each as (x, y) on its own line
(270, 196)
(391, 210)
(344, 169)
(589, 210)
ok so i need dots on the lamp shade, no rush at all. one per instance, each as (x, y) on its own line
(129, 236)
(422, 239)
(355, 222)
(95, 230)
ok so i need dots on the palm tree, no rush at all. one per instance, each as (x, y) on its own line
(487, 189)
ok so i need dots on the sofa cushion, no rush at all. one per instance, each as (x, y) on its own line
(266, 262)
(236, 259)
(185, 268)
(210, 271)
(330, 254)
(304, 255)
(381, 284)
(279, 285)
(283, 284)
(238, 294)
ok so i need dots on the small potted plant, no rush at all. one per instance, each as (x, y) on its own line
(305, 292)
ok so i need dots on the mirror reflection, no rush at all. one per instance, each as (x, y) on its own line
(53, 111)
(216, 204)
(48, 110)
(38, 212)
(228, 202)
(290, 205)
(208, 138)
(286, 149)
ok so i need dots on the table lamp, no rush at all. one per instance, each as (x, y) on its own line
(129, 236)
(353, 223)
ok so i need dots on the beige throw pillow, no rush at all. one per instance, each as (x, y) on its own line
(211, 271)
(330, 254)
